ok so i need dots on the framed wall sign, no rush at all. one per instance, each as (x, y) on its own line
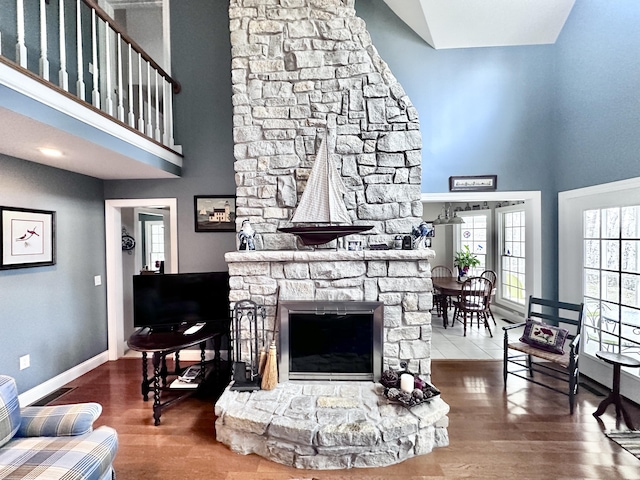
(215, 213)
(476, 183)
(28, 238)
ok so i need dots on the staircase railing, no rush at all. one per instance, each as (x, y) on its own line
(75, 46)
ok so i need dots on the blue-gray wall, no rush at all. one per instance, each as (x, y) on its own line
(482, 111)
(55, 314)
(201, 62)
(546, 118)
(598, 94)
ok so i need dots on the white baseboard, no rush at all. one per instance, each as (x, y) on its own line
(58, 381)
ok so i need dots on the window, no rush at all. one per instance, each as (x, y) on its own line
(473, 233)
(611, 280)
(154, 243)
(512, 254)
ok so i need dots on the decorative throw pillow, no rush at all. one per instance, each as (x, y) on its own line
(545, 337)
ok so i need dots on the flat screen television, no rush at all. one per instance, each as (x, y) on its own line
(163, 301)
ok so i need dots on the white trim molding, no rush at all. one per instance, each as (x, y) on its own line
(115, 297)
(571, 205)
(58, 381)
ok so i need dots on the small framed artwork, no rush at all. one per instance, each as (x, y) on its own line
(215, 213)
(28, 238)
(476, 183)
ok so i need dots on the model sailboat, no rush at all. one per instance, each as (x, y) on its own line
(321, 206)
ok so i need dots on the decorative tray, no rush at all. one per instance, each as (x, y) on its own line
(421, 393)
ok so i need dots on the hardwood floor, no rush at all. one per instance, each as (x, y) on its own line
(523, 433)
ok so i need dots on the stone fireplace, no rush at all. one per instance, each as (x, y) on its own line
(337, 424)
(303, 70)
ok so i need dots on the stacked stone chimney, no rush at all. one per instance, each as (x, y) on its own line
(302, 69)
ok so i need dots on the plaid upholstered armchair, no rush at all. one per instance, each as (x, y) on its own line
(53, 442)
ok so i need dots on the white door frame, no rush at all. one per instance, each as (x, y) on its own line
(533, 235)
(571, 205)
(113, 229)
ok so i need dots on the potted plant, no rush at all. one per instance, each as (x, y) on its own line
(464, 259)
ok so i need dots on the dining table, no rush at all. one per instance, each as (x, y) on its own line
(446, 287)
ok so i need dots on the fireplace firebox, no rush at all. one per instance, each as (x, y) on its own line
(330, 340)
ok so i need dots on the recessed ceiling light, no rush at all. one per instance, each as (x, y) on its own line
(50, 152)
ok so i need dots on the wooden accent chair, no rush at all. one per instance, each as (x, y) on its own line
(549, 362)
(439, 271)
(491, 275)
(474, 300)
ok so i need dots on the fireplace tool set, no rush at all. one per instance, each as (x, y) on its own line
(254, 359)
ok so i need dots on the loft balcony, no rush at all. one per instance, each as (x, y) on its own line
(71, 80)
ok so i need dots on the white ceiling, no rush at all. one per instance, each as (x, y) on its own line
(21, 136)
(484, 23)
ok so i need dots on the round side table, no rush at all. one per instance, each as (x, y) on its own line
(617, 360)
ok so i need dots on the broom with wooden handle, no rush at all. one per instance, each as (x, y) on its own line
(270, 376)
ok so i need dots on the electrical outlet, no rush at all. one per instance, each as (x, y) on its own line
(25, 362)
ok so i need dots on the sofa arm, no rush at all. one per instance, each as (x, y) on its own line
(58, 421)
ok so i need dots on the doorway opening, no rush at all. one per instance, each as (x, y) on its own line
(445, 242)
(114, 258)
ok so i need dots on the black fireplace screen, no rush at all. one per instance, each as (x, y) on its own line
(330, 340)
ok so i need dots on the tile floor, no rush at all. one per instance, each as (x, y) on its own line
(450, 344)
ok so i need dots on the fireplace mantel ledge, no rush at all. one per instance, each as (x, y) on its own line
(326, 255)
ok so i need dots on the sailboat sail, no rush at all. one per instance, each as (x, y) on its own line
(322, 200)
(322, 203)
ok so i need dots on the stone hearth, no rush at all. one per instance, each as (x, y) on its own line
(329, 425)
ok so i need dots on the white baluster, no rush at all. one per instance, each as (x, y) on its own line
(132, 117)
(63, 76)
(140, 96)
(158, 134)
(80, 82)
(120, 85)
(94, 61)
(166, 87)
(149, 115)
(171, 143)
(108, 73)
(44, 61)
(21, 48)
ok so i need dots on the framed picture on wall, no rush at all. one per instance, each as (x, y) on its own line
(473, 183)
(28, 238)
(215, 213)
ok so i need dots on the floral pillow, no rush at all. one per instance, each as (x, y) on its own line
(545, 337)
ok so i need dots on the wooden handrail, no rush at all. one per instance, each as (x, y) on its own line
(107, 19)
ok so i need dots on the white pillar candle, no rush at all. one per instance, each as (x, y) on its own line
(406, 382)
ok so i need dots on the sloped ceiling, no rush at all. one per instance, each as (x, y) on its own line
(484, 23)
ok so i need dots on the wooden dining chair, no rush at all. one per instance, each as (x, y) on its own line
(491, 275)
(474, 300)
(439, 271)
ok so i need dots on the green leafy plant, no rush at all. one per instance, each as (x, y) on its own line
(465, 259)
